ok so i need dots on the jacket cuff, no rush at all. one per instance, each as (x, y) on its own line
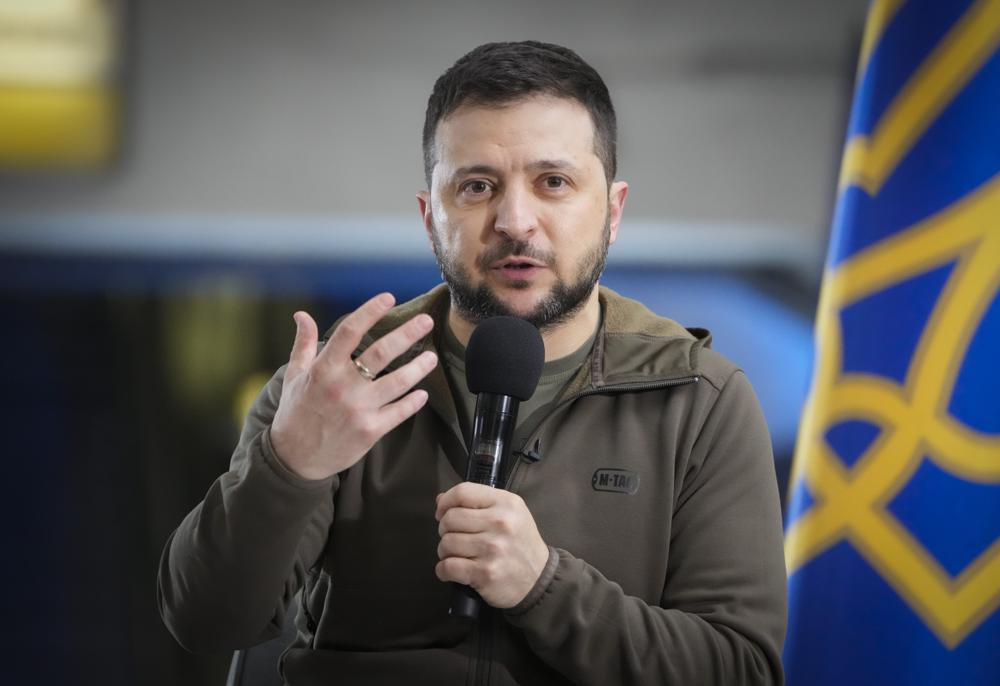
(541, 586)
(279, 469)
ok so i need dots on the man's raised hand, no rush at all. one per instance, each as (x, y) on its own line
(329, 414)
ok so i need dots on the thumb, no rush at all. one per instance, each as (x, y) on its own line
(304, 346)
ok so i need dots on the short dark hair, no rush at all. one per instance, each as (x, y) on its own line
(497, 74)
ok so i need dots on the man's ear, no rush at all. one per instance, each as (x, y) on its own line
(616, 207)
(424, 205)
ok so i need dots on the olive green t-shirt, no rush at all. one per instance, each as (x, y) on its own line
(556, 375)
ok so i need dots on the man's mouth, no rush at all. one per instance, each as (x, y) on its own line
(516, 263)
(517, 270)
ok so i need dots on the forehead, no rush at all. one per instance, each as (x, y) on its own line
(516, 134)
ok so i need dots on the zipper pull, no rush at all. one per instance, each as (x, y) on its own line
(533, 455)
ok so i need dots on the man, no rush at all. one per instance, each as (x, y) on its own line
(639, 537)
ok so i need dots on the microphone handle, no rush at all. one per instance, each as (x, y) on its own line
(492, 427)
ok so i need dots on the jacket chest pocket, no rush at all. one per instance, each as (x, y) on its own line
(605, 499)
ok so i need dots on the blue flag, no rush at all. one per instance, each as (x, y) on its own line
(893, 531)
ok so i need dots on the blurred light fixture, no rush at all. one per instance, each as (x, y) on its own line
(59, 99)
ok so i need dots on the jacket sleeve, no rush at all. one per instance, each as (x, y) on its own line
(230, 570)
(721, 618)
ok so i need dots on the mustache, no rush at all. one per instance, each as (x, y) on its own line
(512, 248)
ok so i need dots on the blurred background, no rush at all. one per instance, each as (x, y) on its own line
(177, 178)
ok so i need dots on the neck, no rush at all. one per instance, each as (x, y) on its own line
(560, 340)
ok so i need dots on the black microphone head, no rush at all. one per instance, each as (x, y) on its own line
(504, 356)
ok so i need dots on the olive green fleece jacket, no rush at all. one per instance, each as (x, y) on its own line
(651, 480)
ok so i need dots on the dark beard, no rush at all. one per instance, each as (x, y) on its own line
(475, 304)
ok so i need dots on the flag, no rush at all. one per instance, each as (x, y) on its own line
(892, 537)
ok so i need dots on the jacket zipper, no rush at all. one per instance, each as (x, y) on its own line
(484, 652)
(532, 456)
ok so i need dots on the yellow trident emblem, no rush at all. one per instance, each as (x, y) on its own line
(913, 416)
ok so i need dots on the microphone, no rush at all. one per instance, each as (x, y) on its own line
(503, 363)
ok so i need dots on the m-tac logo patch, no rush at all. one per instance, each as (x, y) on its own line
(615, 481)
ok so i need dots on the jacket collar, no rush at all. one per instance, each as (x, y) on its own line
(633, 346)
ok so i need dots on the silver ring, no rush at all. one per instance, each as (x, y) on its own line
(363, 370)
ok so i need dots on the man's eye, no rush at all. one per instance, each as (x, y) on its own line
(554, 182)
(476, 187)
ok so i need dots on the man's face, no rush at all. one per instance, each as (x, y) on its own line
(519, 213)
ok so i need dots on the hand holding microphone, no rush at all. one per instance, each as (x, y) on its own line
(489, 541)
(489, 545)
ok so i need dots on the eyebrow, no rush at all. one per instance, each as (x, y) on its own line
(474, 169)
(538, 165)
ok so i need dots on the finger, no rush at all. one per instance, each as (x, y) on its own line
(462, 545)
(396, 413)
(461, 520)
(393, 385)
(354, 326)
(467, 494)
(304, 345)
(386, 349)
(457, 569)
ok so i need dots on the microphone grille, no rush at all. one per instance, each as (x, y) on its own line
(504, 356)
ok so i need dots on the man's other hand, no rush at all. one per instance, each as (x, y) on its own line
(330, 414)
(489, 541)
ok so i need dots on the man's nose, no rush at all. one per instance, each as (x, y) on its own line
(517, 215)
